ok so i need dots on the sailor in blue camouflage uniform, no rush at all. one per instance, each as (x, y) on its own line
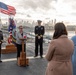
(1, 38)
(39, 32)
(74, 54)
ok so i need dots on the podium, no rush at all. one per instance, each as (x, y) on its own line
(22, 60)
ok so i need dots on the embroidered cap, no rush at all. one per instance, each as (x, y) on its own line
(39, 21)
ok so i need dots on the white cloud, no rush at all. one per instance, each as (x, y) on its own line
(59, 9)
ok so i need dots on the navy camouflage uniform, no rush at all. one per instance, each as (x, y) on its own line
(1, 38)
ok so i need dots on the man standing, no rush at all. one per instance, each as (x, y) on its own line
(39, 32)
(1, 38)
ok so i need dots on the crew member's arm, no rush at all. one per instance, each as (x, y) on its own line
(50, 52)
(35, 31)
(1, 37)
(42, 32)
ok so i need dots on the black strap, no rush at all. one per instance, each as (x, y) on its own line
(22, 34)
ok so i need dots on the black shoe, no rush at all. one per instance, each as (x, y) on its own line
(0, 61)
(35, 56)
(41, 56)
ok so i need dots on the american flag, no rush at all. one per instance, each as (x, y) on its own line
(7, 9)
(12, 26)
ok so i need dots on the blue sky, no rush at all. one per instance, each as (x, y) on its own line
(42, 9)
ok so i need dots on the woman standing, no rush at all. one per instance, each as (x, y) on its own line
(19, 35)
(60, 52)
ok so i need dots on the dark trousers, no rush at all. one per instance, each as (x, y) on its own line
(38, 43)
(19, 49)
(0, 52)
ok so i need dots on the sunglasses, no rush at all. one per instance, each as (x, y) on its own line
(20, 28)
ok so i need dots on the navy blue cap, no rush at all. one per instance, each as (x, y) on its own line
(39, 21)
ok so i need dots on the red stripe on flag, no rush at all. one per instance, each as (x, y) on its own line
(8, 12)
(11, 10)
(11, 7)
(4, 11)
